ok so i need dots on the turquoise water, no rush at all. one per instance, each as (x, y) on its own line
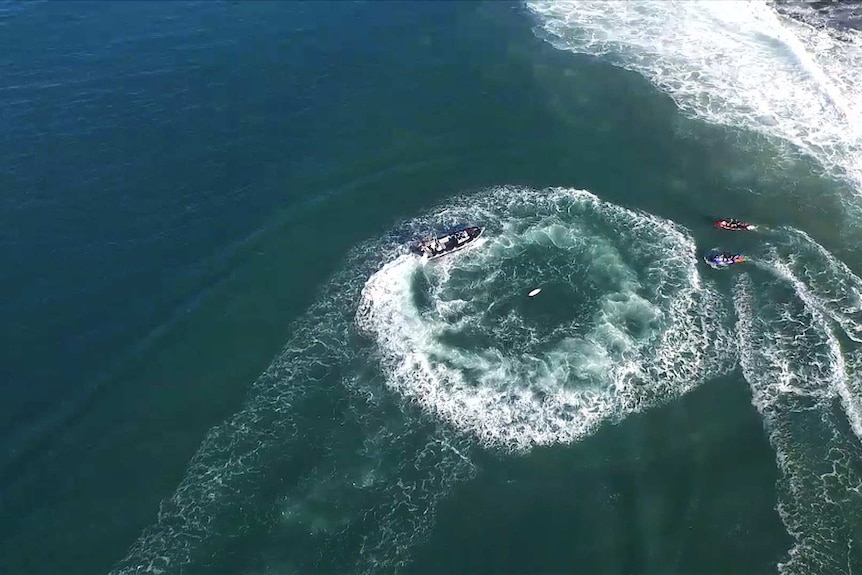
(221, 360)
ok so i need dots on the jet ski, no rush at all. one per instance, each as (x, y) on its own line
(446, 244)
(721, 260)
(734, 225)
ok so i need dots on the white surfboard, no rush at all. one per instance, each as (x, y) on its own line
(534, 292)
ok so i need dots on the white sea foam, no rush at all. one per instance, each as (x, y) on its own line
(392, 482)
(646, 328)
(831, 291)
(731, 63)
(806, 382)
(813, 270)
(796, 369)
(386, 491)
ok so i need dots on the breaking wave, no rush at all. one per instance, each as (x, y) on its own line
(731, 63)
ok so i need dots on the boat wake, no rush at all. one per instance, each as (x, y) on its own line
(628, 324)
(405, 369)
(806, 384)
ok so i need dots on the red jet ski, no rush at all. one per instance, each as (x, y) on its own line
(734, 225)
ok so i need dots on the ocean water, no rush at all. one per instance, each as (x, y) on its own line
(220, 358)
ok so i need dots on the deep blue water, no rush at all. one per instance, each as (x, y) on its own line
(142, 142)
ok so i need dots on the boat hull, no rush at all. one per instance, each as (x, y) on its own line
(448, 243)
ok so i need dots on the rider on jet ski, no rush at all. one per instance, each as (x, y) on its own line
(725, 259)
(733, 224)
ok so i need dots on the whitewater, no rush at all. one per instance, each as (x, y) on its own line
(737, 64)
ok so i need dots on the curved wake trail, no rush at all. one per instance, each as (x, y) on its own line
(830, 290)
(635, 325)
(345, 475)
(731, 63)
(403, 369)
(794, 364)
(363, 477)
(799, 334)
